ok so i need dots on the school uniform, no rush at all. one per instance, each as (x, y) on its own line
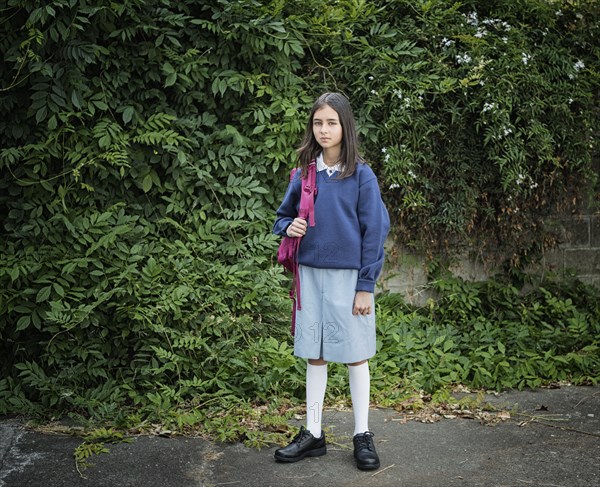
(342, 254)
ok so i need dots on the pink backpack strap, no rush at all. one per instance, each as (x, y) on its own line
(307, 197)
(306, 211)
(311, 190)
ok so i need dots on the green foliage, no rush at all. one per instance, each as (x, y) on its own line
(94, 444)
(480, 115)
(144, 147)
(488, 335)
(139, 168)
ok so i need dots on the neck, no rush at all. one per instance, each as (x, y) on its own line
(331, 157)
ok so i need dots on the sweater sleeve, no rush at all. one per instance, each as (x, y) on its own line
(374, 225)
(288, 210)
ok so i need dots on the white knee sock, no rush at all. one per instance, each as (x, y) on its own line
(360, 385)
(316, 383)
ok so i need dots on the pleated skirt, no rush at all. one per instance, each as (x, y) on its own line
(325, 326)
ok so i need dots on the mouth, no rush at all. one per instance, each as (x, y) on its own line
(325, 139)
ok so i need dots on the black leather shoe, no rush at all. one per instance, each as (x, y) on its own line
(364, 451)
(303, 445)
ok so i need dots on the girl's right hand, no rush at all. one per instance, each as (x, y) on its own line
(297, 228)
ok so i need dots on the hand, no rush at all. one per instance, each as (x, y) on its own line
(297, 228)
(363, 301)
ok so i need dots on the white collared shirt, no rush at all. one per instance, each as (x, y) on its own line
(321, 166)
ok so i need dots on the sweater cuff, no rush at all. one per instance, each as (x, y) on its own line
(365, 285)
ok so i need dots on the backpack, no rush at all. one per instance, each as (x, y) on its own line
(287, 254)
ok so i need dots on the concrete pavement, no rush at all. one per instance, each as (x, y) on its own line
(551, 438)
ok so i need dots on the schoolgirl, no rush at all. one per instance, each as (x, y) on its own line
(340, 259)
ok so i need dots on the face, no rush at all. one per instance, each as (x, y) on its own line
(327, 128)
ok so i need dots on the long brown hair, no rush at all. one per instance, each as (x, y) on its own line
(310, 148)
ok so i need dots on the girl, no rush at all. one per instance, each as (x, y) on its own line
(340, 259)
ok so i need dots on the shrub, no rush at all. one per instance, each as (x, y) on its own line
(146, 145)
(488, 335)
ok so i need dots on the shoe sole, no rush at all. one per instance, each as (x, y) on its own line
(312, 453)
(368, 467)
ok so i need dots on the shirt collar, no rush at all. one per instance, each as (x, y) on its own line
(321, 166)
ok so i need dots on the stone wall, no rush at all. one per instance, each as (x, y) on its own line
(579, 248)
(404, 273)
(579, 251)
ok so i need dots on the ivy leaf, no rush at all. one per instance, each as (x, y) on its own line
(104, 141)
(170, 81)
(147, 183)
(59, 289)
(43, 294)
(75, 99)
(52, 122)
(23, 322)
(14, 274)
(41, 114)
(128, 114)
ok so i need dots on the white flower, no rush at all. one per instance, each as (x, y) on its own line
(373, 92)
(525, 58)
(497, 23)
(570, 100)
(559, 13)
(480, 33)
(579, 65)
(507, 131)
(472, 18)
(463, 59)
(412, 174)
(505, 40)
(371, 78)
(394, 186)
(488, 106)
(446, 42)
(405, 101)
(384, 149)
(386, 158)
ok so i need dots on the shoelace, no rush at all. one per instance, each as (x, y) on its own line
(365, 441)
(301, 435)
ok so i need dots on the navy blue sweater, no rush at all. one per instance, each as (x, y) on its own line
(352, 224)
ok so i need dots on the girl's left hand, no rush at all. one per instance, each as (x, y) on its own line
(363, 301)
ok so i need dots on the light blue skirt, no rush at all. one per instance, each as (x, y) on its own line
(325, 326)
